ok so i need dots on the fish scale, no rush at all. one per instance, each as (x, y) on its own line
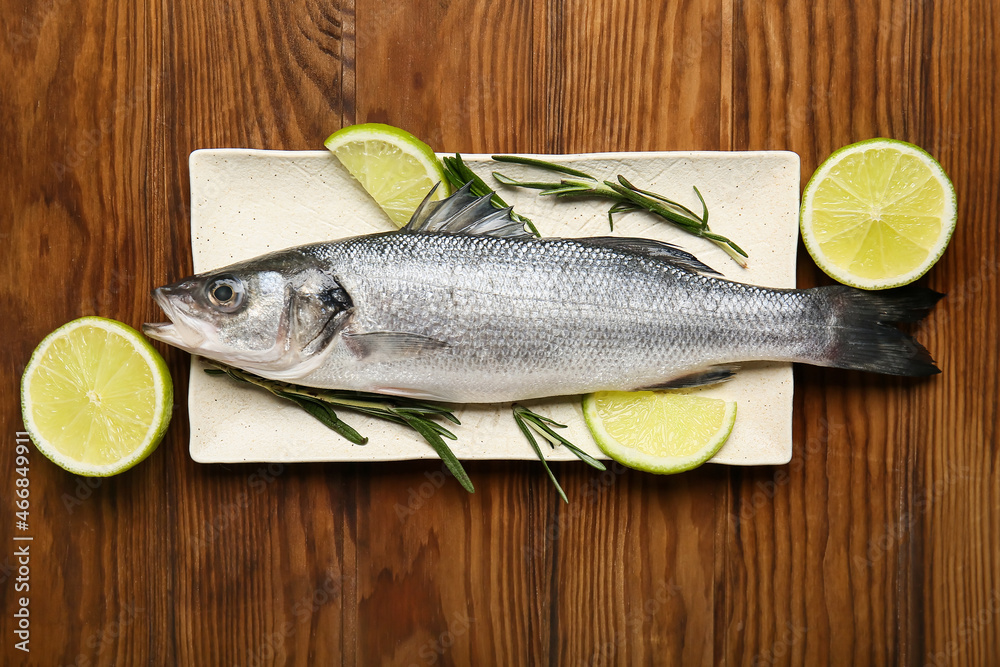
(540, 317)
(462, 305)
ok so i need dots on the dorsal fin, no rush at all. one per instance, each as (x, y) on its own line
(665, 252)
(464, 213)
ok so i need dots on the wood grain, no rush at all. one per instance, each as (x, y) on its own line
(891, 576)
(957, 481)
(267, 551)
(875, 545)
(850, 480)
(565, 577)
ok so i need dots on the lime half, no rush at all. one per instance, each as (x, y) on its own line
(96, 397)
(395, 168)
(878, 214)
(661, 432)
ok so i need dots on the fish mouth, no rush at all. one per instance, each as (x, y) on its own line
(175, 332)
(165, 332)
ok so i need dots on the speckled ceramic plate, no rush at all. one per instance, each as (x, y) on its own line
(249, 202)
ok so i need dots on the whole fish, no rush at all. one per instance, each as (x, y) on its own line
(462, 305)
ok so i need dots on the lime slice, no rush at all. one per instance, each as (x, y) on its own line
(396, 168)
(96, 397)
(662, 432)
(878, 214)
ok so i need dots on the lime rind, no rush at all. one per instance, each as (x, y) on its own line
(857, 270)
(657, 464)
(162, 398)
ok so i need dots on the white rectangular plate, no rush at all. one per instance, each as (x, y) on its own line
(249, 202)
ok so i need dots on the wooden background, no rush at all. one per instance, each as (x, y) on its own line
(877, 544)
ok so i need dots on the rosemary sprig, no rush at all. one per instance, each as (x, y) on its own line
(458, 174)
(418, 415)
(530, 423)
(627, 198)
(320, 403)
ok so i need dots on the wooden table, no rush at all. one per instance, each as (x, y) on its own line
(877, 544)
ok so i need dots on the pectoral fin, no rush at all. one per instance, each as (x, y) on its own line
(710, 375)
(418, 394)
(389, 345)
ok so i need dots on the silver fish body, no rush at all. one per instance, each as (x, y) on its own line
(529, 318)
(492, 317)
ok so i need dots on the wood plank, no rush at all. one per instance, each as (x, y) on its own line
(458, 76)
(537, 581)
(957, 482)
(820, 575)
(77, 88)
(267, 550)
(639, 557)
(172, 563)
(643, 76)
(442, 575)
(876, 545)
(861, 557)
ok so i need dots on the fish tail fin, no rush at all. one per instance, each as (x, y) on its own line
(863, 337)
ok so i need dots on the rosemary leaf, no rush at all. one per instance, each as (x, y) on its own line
(321, 404)
(680, 207)
(434, 426)
(543, 425)
(554, 437)
(535, 162)
(454, 180)
(328, 417)
(692, 225)
(569, 189)
(459, 174)
(521, 424)
(704, 209)
(531, 423)
(443, 450)
(627, 198)
(535, 185)
(620, 207)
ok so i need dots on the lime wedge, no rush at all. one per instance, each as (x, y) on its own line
(395, 168)
(96, 397)
(661, 432)
(878, 214)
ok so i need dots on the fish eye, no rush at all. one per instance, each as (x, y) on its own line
(226, 293)
(223, 293)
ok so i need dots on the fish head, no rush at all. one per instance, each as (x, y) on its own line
(275, 315)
